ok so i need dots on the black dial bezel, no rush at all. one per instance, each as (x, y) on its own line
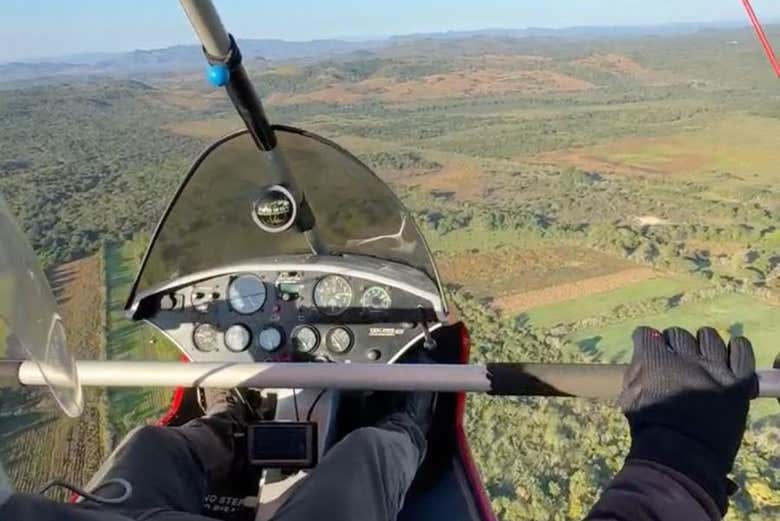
(230, 287)
(326, 310)
(329, 344)
(294, 334)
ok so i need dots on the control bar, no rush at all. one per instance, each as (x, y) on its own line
(501, 379)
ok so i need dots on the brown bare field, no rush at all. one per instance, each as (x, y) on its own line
(506, 61)
(508, 272)
(465, 181)
(751, 152)
(519, 302)
(621, 159)
(46, 445)
(485, 82)
(482, 82)
(618, 65)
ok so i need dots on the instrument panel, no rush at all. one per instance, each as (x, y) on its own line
(295, 315)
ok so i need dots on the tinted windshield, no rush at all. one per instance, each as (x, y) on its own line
(209, 223)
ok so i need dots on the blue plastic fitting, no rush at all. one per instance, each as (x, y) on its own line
(218, 74)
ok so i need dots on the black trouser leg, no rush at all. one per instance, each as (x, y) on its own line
(170, 468)
(364, 477)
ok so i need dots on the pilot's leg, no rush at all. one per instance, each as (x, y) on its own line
(364, 477)
(170, 468)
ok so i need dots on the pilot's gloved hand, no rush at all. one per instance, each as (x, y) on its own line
(686, 399)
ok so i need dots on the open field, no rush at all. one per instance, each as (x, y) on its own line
(518, 302)
(751, 154)
(620, 65)
(508, 273)
(483, 82)
(31, 425)
(128, 340)
(583, 307)
(464, 181)
(733, 314)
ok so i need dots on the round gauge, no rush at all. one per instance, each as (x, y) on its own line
(305, 339)
(247, 294)
(333, 295)
(339, 340)
(237, 338)
(376, 297)
(269, 339)
(206, 338)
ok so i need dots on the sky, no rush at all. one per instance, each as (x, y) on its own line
(42, 28)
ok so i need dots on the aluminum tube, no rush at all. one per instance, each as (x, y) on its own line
(769, 383)
(211, 33)
(387, 377)
(572, 380)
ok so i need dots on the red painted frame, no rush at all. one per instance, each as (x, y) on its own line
(478, 491)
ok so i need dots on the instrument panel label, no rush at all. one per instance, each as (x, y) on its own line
(385, 331)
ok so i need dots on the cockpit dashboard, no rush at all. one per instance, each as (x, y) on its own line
(348, 309)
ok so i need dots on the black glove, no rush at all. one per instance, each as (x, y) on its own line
(687, 400)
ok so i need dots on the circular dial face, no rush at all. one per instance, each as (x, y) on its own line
(269, 339)
(376, 297)
(206, 338)
(305, 339)
(247, 294)
(237, 337)
(333, 295)
(339, 340)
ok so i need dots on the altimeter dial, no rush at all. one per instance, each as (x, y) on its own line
(333, 295)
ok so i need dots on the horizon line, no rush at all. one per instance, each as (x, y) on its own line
(379, 37)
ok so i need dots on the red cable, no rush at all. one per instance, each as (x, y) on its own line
(765, 43)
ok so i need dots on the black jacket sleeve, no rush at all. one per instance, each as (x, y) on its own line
(649, 491)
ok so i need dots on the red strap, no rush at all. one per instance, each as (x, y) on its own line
(765, 43)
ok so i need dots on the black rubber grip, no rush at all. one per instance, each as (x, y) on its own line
(583, 380)
(9, 373)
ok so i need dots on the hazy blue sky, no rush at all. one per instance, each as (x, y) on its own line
(34, 28)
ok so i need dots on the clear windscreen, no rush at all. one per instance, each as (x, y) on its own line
(6, 488)
(209, 224)
(30, 326)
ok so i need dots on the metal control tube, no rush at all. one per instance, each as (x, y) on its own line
(501, 379)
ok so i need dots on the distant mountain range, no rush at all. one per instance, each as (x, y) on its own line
(188, 58)
(175, 59)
